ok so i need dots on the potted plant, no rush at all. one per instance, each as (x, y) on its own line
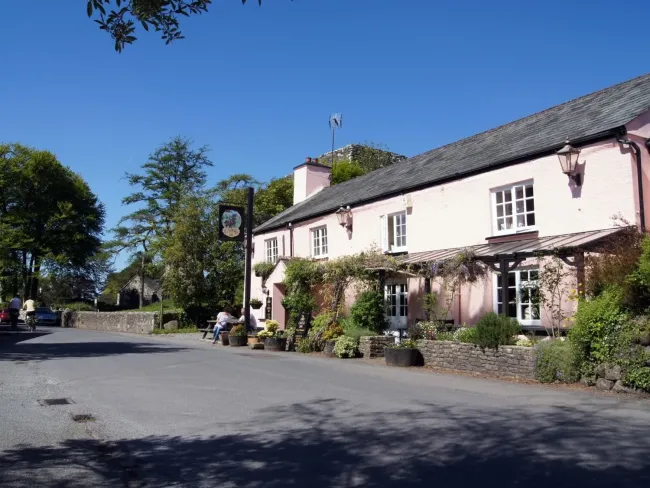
(274, 339)
(255, 303)
(332, 333)
(238, 336)
(402, 354)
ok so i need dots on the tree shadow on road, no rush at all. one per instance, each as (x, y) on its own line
(14, 347)
(330, 443)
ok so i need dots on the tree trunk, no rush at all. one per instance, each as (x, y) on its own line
(35, 278)
(142, 281)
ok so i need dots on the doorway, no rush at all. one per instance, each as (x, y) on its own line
(397, 310)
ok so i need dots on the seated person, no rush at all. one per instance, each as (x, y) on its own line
(222, 321)
(242, 320)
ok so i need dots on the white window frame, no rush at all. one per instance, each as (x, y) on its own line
(271, 250)
(523, 212)
(518, 298)
(400, 228)
(319, 242)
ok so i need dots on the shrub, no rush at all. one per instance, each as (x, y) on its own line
(321, 321)
(346, 347)
(255, 303)
(466, 335)
(305, 346)
(272, 326)
(333, 332)
(263, 269)
(524, 343)
(350, 329)
(555, 361)
(405, 344)
(369, 311)
(238, 331)
(496, 330)
(598, 325)
(445, 336)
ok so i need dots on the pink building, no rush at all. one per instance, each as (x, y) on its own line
(501, 192)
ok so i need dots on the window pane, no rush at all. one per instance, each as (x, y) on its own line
(519, 192)
(508, 222)
(530, 218)
(508, 209)
(501, 224)
(533, 274)
(499, 294)
(512, 310)
(508, 196)
(521, 221)
(499, 308)
(512, 279)
(530, 205)
(525, 312)
(534, 312)
(499, 197)
(520, 206)
(529, 191)
(391, 232)
(499, 210)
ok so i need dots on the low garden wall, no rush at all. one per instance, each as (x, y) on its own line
(132, 322)
(373, 347)
(510, 361)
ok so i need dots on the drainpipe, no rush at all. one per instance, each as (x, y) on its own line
(637, 154)
(290, 225)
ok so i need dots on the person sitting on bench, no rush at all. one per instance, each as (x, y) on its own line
(242, 320)
(222, 321)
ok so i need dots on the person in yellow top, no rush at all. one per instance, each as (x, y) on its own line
(30, 308)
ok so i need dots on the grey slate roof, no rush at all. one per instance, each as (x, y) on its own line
(580, 120)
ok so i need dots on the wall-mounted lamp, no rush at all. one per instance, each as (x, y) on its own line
(407, 201)
(568, 157)
(265, 290)
(344, 216)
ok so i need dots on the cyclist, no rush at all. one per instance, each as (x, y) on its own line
(30, 308)
(14, 311)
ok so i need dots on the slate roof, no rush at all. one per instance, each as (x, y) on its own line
(580, 120)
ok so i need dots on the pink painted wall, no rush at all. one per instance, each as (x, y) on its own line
(638, 131)
(460, 214)
(308, 180)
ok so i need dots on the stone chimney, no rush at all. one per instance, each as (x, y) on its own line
(309, 178)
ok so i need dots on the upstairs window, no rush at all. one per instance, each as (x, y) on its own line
(513, 208)
(319, 242)
(394, 232)
(271, 250)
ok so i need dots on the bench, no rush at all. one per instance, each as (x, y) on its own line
(210, 328)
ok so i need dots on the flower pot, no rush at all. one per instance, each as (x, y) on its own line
(257, 306)
(275, 343)
(238, 341)
(253, 339)
(224, 338)
(329, 348)
(401, 356)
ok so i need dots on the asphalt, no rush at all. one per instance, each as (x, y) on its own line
(180, 412)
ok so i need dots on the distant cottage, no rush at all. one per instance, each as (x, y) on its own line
(129, 295)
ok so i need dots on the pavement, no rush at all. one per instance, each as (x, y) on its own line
(179, 412)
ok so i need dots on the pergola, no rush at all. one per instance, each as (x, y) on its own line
(503, 257)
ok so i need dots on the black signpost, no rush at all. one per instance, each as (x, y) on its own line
(268, 309)
(231, 228)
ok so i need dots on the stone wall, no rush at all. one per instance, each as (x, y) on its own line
(132, 322)
(511, 361)
(373, 347)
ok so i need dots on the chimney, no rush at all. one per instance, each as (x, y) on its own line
(309, 178)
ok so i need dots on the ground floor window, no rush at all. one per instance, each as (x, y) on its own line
(523, 294)
(397, 306)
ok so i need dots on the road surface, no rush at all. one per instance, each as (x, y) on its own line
(179, 412)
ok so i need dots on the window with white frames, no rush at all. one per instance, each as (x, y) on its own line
(319, 242)
(513, 208)
(523, 296)
(394, 232)
(271, 250)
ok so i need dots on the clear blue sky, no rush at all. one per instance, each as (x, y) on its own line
(257, 84)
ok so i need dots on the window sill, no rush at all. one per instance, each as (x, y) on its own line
(513, 236)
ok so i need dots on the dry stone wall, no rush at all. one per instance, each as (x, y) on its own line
(512, 361)
(132, 322)
(373, 347)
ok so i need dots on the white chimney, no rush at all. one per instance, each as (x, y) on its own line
(309, 178)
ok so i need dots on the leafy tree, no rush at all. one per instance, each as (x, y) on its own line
(48, 217)
(68, 284)
(272, 198)
(346, 170)
(119, 17)
(174, 171)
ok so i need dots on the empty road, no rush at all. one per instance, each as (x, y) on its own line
(163, 412)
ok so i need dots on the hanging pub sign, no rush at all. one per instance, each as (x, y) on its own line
(231, 223)
(268, 309)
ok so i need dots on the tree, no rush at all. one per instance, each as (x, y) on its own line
(346, 170)
(119, 17)
(174, 171)
(84, 283)
(48, 217)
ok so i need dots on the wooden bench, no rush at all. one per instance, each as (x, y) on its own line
(210, 328)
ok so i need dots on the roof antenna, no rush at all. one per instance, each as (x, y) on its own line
(336, 122)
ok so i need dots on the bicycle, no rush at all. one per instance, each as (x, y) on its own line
(30, 320)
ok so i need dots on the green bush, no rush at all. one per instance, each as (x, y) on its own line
(556, 361)
(305, 346)
(184, 330)
(350, 329)
(597, 329)
(496, 330)
(445, 336)
(346, 347)
(369, 311)
(466, 335)
(238, 331)
(333, 332)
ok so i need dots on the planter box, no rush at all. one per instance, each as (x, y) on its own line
(253, 340)
(238, 341)
(275, 343)
(401, 356)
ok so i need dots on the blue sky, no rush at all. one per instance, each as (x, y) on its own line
(258, 84)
